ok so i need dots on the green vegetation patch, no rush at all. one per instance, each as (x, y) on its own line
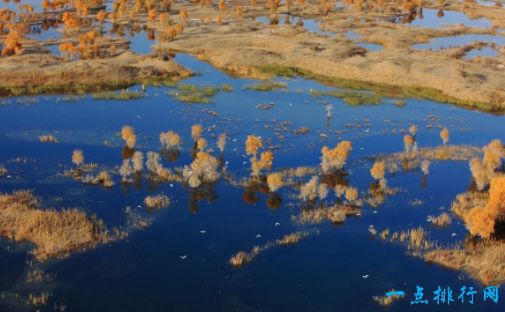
(384, 90)
(350, 98)
(121, 95)
(266, 86)
(190, 93)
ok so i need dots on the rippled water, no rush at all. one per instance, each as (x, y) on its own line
(323, 272)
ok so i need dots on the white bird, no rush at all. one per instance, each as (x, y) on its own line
(244, 163)
(258, 235)
(453, 234)
(234, 140)
(183, 257)
(139, 117)
(365, 276)
(226, 163)
(203, 231)
(138, 206)
(277, 224)
(171, 185)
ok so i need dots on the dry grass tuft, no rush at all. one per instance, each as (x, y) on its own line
(48, 138)
(170, 140)
(386, 301)
(308, 191)
(292, 238)
(442, 220)
(102, 178)
(157, 202)
(241, 258)
(55, 234)
(41, 299)
(415, 239)
(335, 214)
(484, 261)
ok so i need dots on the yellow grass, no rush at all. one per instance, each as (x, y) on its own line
(484, 261)
(55, 234)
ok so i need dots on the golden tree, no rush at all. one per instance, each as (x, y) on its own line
(253, 144)
(101, 16)
(78, 157)
(170, 140)
(12, 43)
(128, 135)
(481, 220)
(275, 181)
(70, 21)
(335, 158)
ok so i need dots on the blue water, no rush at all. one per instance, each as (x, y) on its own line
(485, 51)
(322, 273)
(431, 19)
(354, 36)
(459, 41)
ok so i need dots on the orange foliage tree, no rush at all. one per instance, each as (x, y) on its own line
(481, 220)
(335, 158)
(12, 43)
